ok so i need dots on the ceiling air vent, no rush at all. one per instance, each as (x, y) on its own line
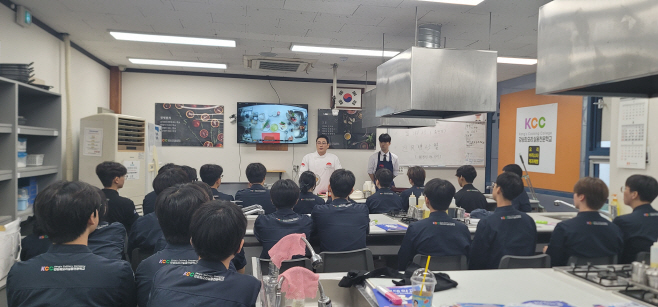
(277, 64)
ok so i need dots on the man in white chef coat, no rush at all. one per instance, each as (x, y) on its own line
(321, 163)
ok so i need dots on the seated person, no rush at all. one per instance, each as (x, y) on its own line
(307, 200)
(270, 228)
(588, 235)
(469, 197)
(211, 174)
(384, 200)
(507, 231)
(108, 240)
(217, 230)
(119, 209)
(640, 228)
(522, 202)
(191, 173)
(35, 243)
(341, 225)
(146, 233)
(416, 176)
(438, 235)
(256, 194)
(175, 209)
(67, 213)
(148, 204)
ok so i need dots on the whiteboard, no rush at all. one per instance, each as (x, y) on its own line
(452, 142)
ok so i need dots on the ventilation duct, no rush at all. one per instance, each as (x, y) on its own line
(429, 36)
(277, 64)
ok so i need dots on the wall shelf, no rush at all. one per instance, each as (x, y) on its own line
(6, 128)
(27, 130)
(6, 175)
(23, 215)
(32, 171)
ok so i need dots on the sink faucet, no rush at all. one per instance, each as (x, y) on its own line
(255, 209)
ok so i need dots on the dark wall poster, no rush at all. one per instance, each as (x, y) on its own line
(190, 124)
(345, 131)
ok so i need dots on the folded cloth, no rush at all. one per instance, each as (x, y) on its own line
(299, 283)
(359, 277)
(287, 247)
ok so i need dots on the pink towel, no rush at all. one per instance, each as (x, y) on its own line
(300, 283)
(287, 247)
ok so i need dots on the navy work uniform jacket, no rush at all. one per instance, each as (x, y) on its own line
(341, 225)
(470, 198)
(120, 209)
(146, 234)
(34, 245)
(404, 196)
(207, 283)
(108, 240)
(506, 232)
(256, 195)
(70, 275)
(306, 203)
(522, 202)
(148, 204)
(438, 235)
(221, 196)
(270, 228)
(640, 230)
(383, 201)
(587, 235)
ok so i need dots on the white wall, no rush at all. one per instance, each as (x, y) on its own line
(618, 176)
(90, 81)
(141, 91)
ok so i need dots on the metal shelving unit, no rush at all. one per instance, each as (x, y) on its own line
(43, 111)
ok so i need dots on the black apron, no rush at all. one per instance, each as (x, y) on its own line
(388, 164)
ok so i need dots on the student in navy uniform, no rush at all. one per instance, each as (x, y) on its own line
(307, 200)
(438, 235)
(148, 204)
(341, 225)
(119, 209)
(191, 173)
(507, 231)
(469, 197)
(640, 228)
(175, 211)
(521, 202)
(146, 233)
(384, 200)
(35, 243)
(69, 274)
(588, 235)
(108, 240)
(212, 175)
(256, 194)
(416, 175)
(270, 228)
(217, 231)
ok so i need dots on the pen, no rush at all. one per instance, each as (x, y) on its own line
(396, 300)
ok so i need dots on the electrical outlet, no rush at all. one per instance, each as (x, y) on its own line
(401, 169)
(295, 168)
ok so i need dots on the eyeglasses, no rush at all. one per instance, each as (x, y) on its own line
(222, 176)
(494, 185)
(321, 143)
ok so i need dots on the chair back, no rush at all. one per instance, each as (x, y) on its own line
(360, 259)
(443, 263)
(525, 262)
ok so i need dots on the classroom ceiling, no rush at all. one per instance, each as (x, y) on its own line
(273, 25)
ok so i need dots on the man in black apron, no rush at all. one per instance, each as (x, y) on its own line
(383, 159)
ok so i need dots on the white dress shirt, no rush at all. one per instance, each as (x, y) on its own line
(372, 162)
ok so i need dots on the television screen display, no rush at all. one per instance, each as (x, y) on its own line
(272, 123)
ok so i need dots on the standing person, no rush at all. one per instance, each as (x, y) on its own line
(307, 200)
(640, 228)
(383, 159)
(416, 176)
(321, 163)
(119, 209)
(212, 175)
(469, 197)
(522, 202)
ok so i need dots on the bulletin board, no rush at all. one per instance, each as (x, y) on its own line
(190, 124)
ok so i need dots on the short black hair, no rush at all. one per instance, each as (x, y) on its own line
(102, 211)
(342, 182)
(511, 185)
(191, 173)
(166, 167)
(468, 172)
(63, 209)
(307, 181)
(169, 178)
(645, 186)
(108, 170)
(205, 187)
(417, 175)
(322, 136)
(384, 176)
(210, 173)
(594, 190)
(440, 193)
(217, 230)
(513, 168)
(284, 194)
(256, 172)
(384, 138)
(175, 207)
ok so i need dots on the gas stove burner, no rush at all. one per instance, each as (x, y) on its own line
(608, 275)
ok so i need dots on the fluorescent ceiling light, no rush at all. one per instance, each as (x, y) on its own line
(519, 61)
(168, 39)
(346, 51)
(462, 2)
(177, 63)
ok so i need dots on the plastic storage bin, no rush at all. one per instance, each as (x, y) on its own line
(22, 145)
(23, 196)
(35, 160)
(22, 159)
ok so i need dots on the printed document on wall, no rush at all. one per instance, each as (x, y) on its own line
(536, 137)
(93, 142)
(632, 136)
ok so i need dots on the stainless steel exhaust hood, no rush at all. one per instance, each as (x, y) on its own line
(598, 48)
(370, 120)
(437, 83)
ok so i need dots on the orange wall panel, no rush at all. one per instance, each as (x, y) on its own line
(568, 138)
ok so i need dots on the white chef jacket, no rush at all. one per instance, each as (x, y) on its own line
(322, 167)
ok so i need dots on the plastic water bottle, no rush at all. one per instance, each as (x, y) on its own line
(654, 255)
(412, 200)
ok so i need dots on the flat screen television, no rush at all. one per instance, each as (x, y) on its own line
(271, 123)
